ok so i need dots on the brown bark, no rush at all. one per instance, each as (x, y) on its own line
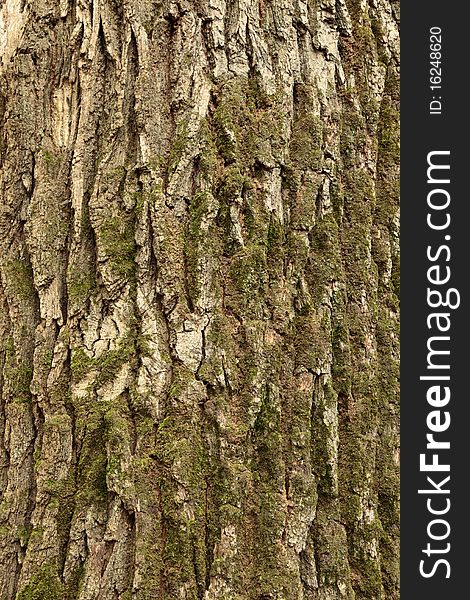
(199, 317)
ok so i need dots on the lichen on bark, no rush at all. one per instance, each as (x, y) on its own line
(199, 274)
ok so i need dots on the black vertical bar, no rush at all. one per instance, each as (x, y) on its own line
(424, 130)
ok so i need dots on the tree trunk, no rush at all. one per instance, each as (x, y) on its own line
(199, 318)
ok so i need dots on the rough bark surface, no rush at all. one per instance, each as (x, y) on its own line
(198, 320)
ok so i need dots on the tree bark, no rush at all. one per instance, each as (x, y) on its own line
(199, 316)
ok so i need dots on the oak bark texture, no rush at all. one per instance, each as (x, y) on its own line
(199, 318)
